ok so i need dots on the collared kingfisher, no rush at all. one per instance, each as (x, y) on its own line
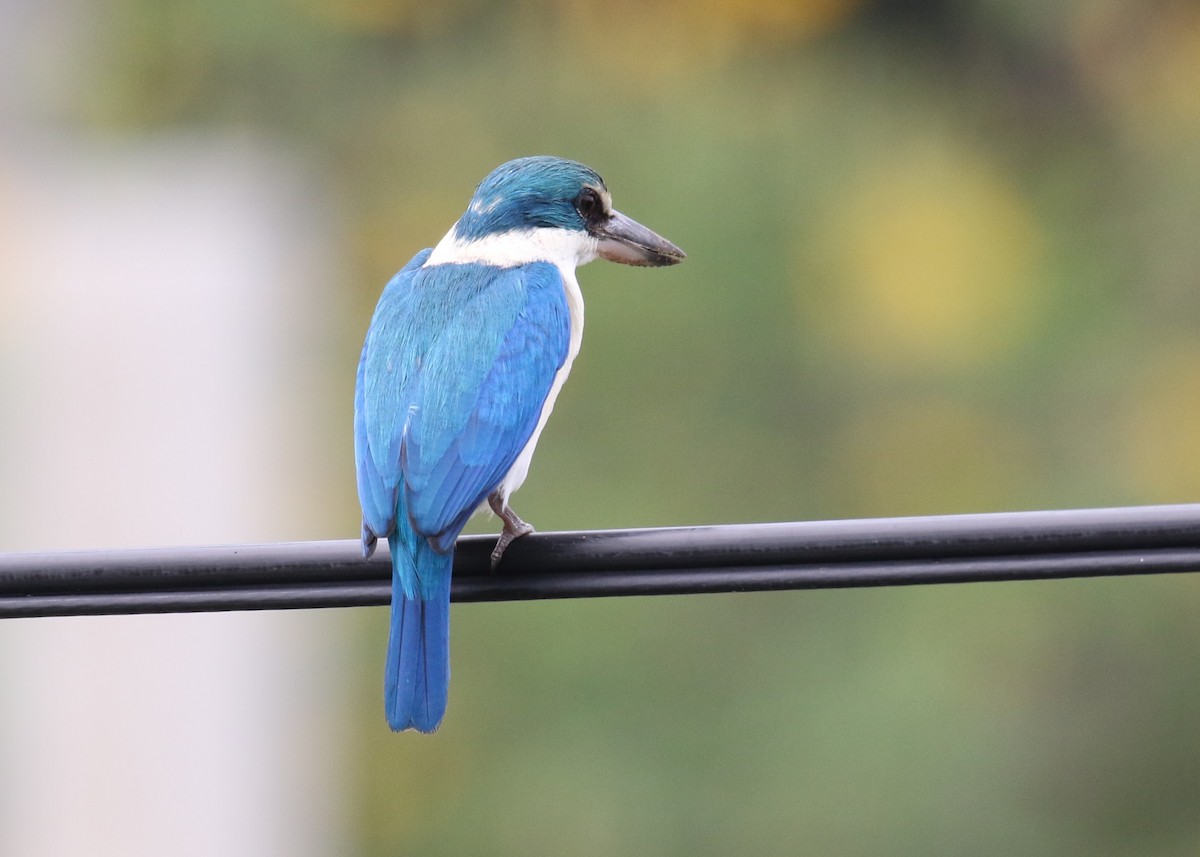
(468, 348)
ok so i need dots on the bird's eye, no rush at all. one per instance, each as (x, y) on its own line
(589, 204)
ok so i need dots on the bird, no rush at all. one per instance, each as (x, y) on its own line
(464, 357)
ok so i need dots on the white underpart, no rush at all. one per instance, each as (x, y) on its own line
(563, 248)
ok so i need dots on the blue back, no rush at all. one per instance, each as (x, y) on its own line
(457, 364)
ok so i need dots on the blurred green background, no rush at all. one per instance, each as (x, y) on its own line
(943, 257)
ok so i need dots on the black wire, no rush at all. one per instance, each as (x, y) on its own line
(732, 558)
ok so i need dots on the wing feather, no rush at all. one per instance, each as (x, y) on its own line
(454, 374)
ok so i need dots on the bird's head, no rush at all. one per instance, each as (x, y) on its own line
(530, 196)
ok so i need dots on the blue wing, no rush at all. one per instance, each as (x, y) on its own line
(456, 367)
(377, 490)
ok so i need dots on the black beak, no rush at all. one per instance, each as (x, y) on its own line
(628, 242)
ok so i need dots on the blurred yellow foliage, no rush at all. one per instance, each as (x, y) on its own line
(1146, 68)
(930, 456)
(1161, 423)
(636, 28)
(385, 16)
(933, 261)
(660, 38)
(769, 20)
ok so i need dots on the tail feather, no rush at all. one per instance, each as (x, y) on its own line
(417, 677)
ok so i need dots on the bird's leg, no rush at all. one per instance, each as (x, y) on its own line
(514, 527)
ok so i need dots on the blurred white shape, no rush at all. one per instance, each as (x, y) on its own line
(158, 306)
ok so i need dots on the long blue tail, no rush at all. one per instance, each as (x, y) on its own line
(418, 659)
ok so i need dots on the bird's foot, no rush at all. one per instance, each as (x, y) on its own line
(514, 527)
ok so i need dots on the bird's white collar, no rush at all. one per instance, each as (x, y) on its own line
(564, 248)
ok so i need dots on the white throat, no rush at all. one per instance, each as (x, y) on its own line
(562, 247)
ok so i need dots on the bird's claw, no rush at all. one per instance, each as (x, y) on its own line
(514, 527)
